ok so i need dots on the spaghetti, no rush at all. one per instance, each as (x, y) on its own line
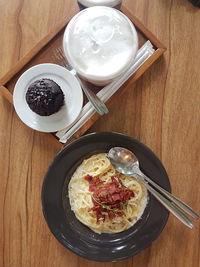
(103, 199)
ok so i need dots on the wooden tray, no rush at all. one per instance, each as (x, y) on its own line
(43, 51)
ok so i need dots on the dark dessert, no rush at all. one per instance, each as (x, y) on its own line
(44, 97)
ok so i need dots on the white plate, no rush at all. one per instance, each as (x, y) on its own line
(73, 97)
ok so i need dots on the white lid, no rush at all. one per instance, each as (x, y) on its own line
(100, 43)
(90, 3)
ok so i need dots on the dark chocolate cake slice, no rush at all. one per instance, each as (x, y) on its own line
(44, 97)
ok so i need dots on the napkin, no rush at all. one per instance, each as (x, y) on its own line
(106, 92)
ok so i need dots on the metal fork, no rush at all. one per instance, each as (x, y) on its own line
(98, 104)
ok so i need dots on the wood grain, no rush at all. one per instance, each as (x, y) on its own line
(162, 110)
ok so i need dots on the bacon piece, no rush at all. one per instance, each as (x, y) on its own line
(112, 188)
(116, 197)
(88, 178)
(108, 197)
(100, 216)
(111, 214)
(115, 179)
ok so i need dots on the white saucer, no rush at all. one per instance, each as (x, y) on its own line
(68, 112)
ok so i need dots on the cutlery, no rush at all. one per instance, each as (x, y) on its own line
(127, 163)
(98, 104)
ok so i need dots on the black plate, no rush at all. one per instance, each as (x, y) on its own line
(76, 236)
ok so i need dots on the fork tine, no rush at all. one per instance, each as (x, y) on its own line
(57, 54)
(60, 51)
(59, 57)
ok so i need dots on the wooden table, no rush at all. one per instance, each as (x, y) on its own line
(162, 110)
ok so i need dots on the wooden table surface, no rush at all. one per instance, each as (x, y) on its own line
(162, 110)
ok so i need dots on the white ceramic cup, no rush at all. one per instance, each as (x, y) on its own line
(100, 43)
(90, 3)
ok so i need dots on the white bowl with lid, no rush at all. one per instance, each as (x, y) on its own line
(100, 43)
(90, 3)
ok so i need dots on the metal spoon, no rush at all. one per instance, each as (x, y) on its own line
(127, 163)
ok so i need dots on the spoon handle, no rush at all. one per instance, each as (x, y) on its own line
(167, 204)
(99, 105)
(177, 201)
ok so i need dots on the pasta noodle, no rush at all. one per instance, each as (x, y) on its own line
(103, 199)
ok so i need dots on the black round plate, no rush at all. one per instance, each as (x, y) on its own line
(78, 237)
